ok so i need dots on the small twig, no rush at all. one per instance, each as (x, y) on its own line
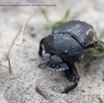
(8, 53)
(43, 93)
(10, 69)
(9, 64)
(24, 26)
(14, 41)
(21, 30)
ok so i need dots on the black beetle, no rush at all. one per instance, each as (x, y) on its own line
(66, 46)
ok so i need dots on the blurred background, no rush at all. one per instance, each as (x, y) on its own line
(19, 87)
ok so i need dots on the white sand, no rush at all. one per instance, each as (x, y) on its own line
(20, 86)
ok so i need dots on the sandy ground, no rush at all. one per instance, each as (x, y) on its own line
(20, 86)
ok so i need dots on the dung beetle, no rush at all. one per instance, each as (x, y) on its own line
(66, 46)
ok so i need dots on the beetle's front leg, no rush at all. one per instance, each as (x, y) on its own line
(72, 75)
(40, 47)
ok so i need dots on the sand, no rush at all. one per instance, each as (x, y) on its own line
(20, 86)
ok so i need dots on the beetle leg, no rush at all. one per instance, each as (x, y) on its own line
(92, 45)
(40, 47)
(72, 75)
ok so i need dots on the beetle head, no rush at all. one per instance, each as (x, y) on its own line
(55, 63)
